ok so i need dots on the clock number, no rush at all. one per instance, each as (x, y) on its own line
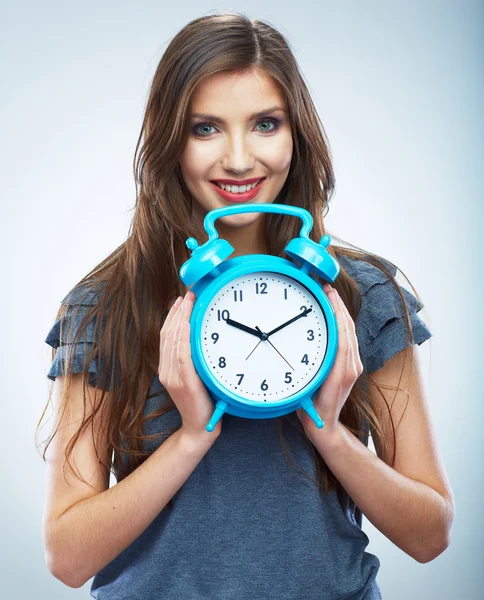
(285, 293)
(264, 386)
(223, 315)
(263, 288)
(311, 333)
(221, 362)
(238, 295)
(241, 375)
(305, 359)
(215, 337)
(302, 308)
(288, 377)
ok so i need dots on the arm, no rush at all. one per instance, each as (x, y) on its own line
(93, 532)
(86, 526)
(412, 504)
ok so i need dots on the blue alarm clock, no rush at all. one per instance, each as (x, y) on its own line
(264, 335)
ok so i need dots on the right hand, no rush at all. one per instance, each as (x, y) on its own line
(177, 373)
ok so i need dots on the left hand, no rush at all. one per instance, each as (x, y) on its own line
(347, 367)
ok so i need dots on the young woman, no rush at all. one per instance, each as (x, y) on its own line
(258, 508)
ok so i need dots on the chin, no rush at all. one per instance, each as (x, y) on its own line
(241, 220)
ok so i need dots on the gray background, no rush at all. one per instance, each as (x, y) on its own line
(400, 91)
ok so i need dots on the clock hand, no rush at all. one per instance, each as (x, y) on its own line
(255, 347)
(303, 314)
(242, 327)
(274, 348)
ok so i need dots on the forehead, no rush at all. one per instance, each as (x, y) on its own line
(237, 93)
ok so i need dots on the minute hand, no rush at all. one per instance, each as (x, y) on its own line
(303, 314)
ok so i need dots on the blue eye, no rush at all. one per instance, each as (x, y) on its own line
(275, 123)
(195, 127)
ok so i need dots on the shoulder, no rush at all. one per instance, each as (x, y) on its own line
(74, 306)
(381, 323)
(73, 338)
(365, 274)
(84, 294)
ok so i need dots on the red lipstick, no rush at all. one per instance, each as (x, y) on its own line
(234, 196)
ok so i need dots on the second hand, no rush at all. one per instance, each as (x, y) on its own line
(268, 340)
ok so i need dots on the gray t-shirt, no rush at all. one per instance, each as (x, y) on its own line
(246, 524)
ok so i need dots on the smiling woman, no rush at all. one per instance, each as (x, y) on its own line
(248, 135)
(257, 508)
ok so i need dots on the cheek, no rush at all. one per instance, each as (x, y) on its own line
(195, 159)
(278, 157)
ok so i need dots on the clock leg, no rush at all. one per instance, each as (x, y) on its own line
(308, 406)
(217, 415)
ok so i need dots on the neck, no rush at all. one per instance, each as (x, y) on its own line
(246, 239)
(249, 239)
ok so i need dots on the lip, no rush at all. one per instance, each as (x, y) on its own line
(238, 182)
(234, 197)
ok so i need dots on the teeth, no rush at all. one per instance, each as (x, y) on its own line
(237, 189)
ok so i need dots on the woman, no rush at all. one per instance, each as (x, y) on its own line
(267, 508)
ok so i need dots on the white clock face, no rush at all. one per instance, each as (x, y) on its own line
(248, 364)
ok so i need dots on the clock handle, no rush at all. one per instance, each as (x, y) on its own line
(217, 415)
(308, 406)
(283, 209)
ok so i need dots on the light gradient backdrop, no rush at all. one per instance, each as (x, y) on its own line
(399, 88)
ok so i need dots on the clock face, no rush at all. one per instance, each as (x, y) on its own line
(282, 362)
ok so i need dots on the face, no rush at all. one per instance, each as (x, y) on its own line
(227, 142)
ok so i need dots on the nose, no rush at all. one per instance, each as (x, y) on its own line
(238, 156)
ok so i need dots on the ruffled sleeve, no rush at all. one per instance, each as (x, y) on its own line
(61, 338)
(381, 326)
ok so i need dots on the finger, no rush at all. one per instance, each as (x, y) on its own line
(166, 336)
(163, 335)
(344, 350)
(353, 339)
(342, 333)
(171, 321)
(183, 348)
(169, 318)
(345, 316)
(167, 325)
(173, 373)
(351, 336)
(349, 318)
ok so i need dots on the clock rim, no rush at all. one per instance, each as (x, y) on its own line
(245, 265)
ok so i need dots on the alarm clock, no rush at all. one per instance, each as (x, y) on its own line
(264, 334)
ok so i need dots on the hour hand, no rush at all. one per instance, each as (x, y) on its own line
(244, 327)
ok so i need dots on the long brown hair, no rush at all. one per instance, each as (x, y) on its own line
(140, 278)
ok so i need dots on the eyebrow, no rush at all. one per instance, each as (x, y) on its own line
(253, 116)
